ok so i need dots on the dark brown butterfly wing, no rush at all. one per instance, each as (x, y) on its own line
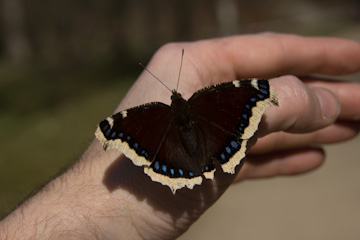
(236, 108)
(222, 118)
(137, 132)
(185, 156)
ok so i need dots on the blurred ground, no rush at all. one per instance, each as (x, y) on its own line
(324, 204)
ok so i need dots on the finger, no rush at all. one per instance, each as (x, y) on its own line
(339, 132)
(272, 54)
(262, 55)
(348, 94)
(281, 163)
(301, 109)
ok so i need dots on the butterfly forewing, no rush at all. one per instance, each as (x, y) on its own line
(235, 106)
(137, 132)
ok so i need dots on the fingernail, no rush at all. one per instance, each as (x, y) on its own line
(330, 106)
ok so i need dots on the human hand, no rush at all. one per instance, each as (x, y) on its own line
(312, 112)
(213, 61)
(105, 195)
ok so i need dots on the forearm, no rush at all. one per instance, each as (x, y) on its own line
(77, 205)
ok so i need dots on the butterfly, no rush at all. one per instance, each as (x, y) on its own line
(178, 145)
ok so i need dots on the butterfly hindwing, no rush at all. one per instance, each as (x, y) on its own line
(186, 155)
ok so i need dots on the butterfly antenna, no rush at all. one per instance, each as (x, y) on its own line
(142, 65)
(182, 56)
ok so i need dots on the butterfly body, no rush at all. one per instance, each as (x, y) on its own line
(179, 144)
(181, 110)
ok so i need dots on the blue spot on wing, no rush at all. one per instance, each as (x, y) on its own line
(264, 91)
(253, 100)
(260, 96)
(228, 150)
(223, 158)
(104, 126)
(113, 135)
(234, 144)
(242, 127)
(145, 155)
(263, 84)
(108, 132)
(156, 166)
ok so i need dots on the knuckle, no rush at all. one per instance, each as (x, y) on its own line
(298, 104)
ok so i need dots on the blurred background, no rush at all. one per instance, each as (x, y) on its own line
(65, 65)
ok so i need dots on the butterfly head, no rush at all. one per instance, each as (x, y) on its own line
(175, 95)
(180, 108)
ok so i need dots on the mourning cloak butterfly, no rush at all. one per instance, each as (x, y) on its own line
(179, 144)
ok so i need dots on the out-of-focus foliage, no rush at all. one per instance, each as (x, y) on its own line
(71, 33)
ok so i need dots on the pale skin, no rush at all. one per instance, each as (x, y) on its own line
(104, 196)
